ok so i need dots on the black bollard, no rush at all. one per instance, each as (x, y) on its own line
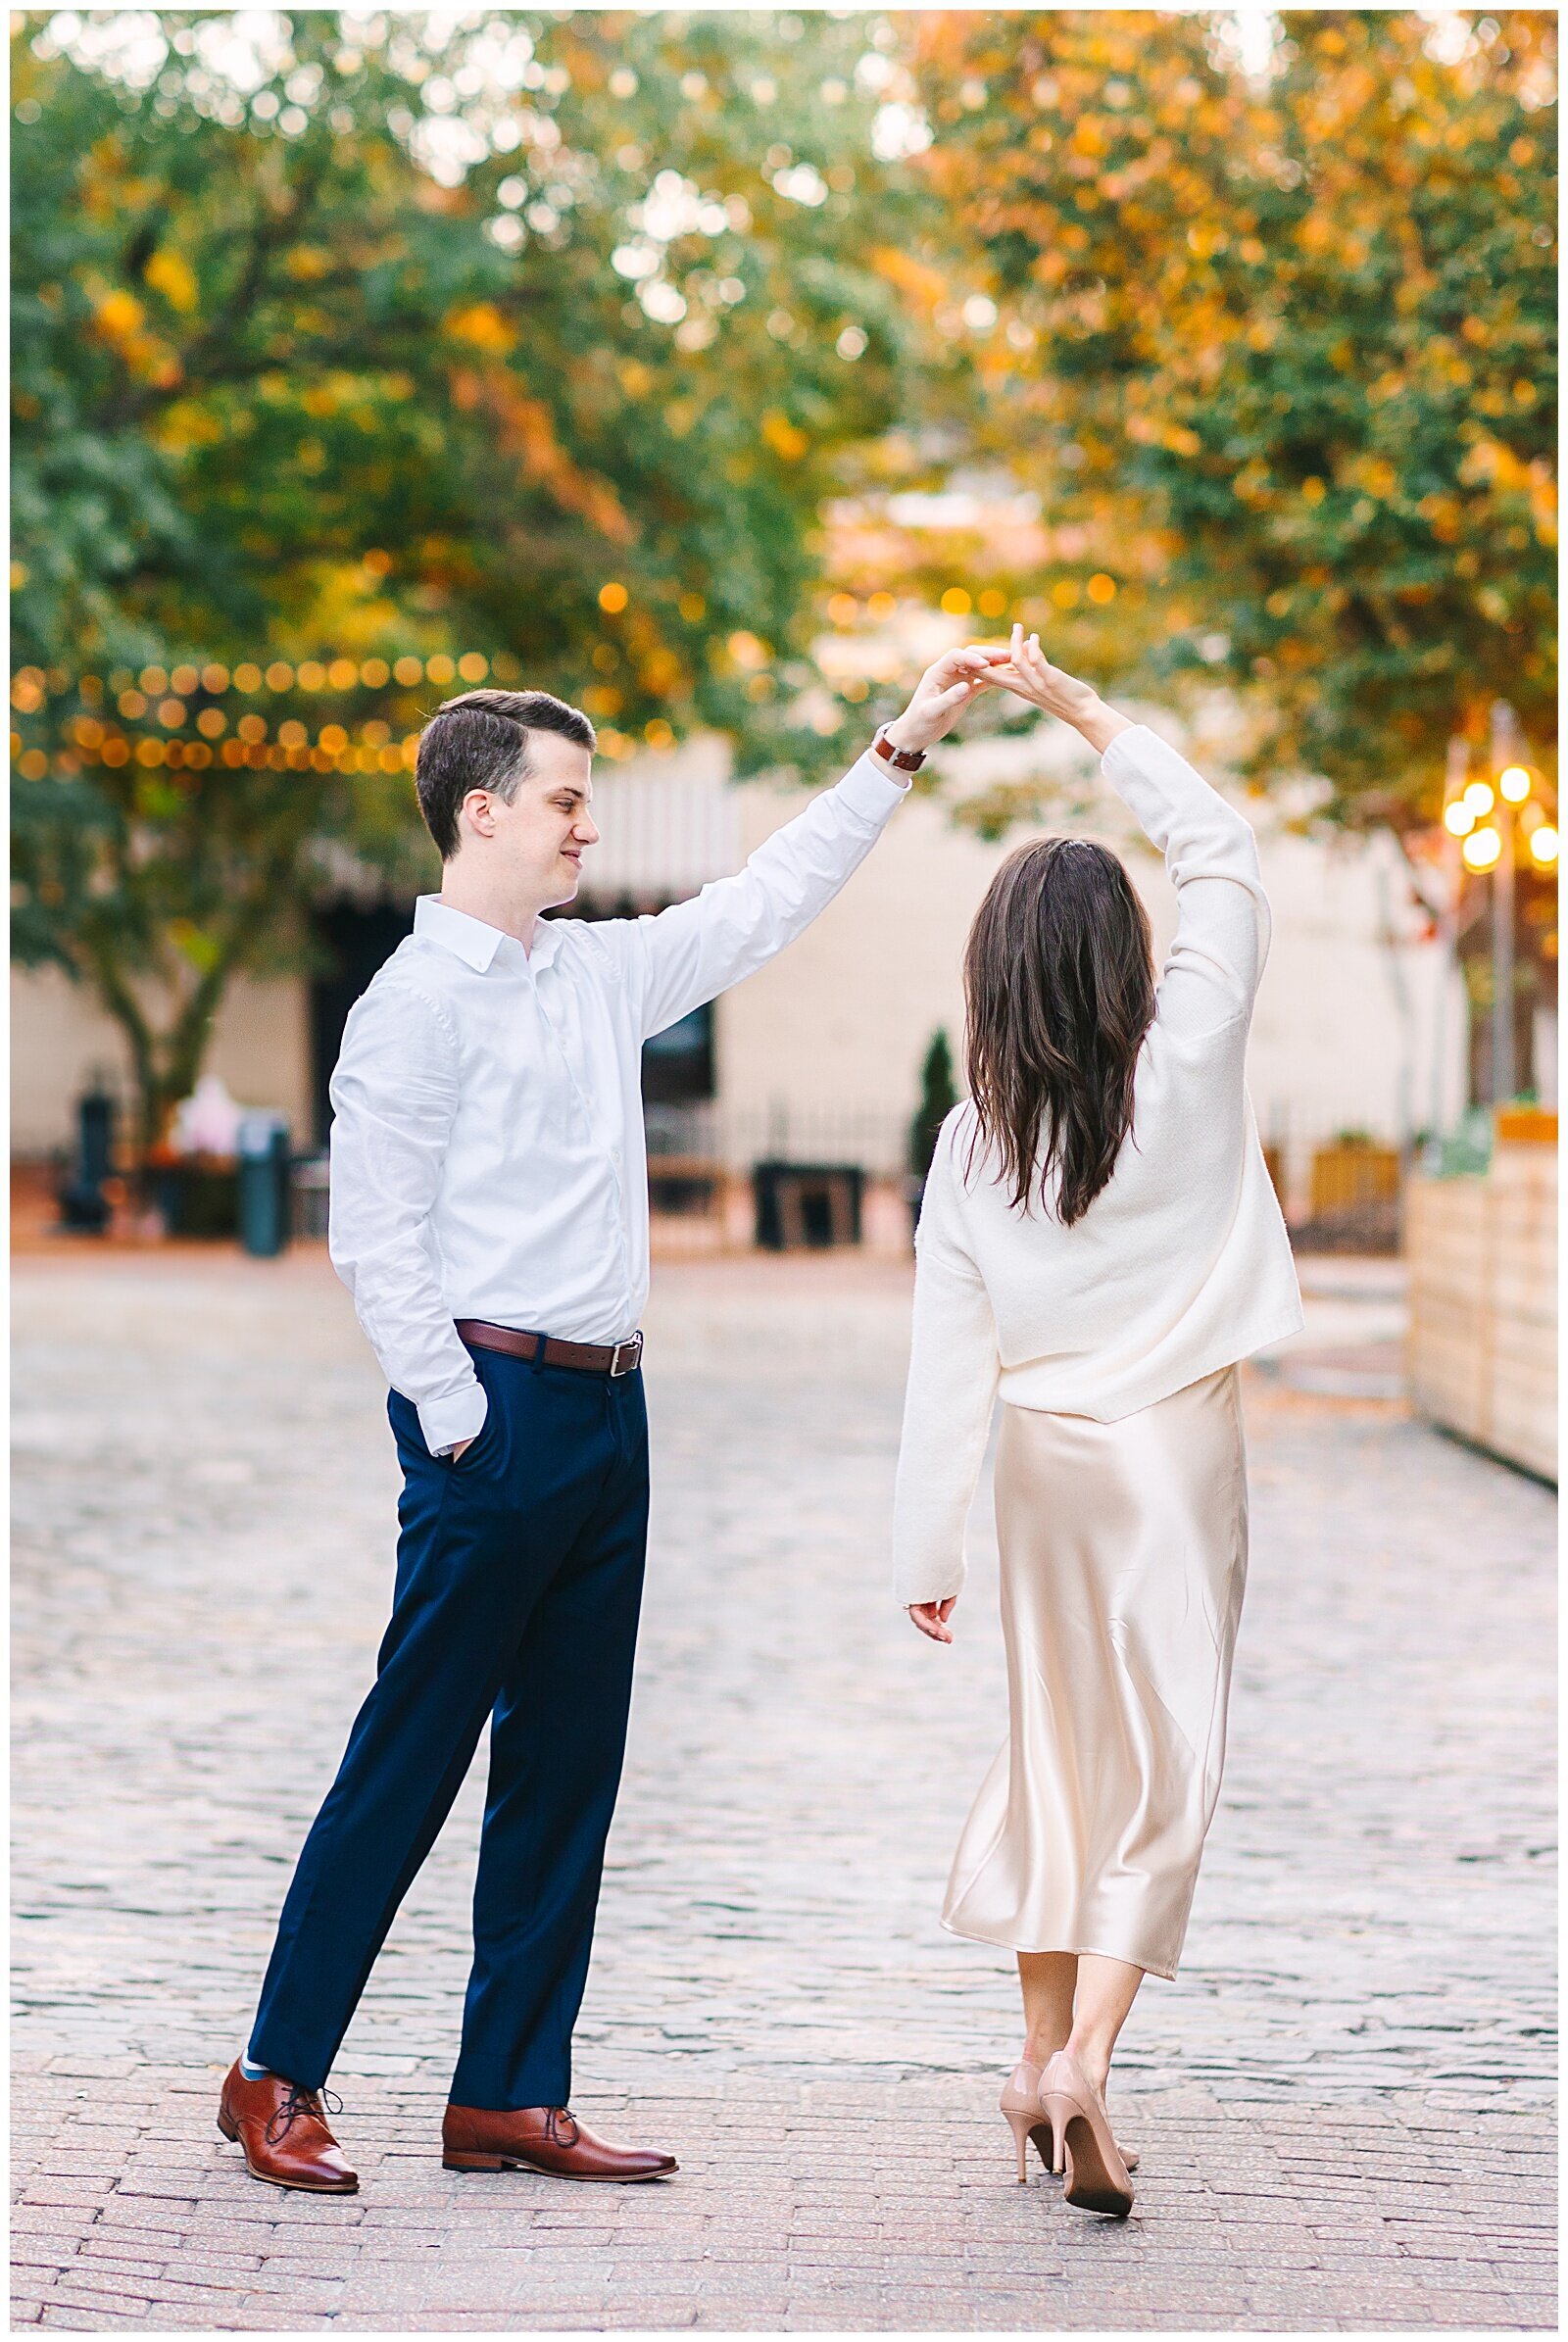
(84, 1205)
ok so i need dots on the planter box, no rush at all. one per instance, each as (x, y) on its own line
(806, 1206)
(1483, 1259)
(199, 1197)
(1346, 1178)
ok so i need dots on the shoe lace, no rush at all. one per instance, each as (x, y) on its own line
(557, 2116)
(299, 2102)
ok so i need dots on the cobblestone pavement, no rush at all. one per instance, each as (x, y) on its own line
(1342, 2104)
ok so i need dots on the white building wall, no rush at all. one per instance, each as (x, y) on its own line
(1357, 1025)
(1360, 1022)
(820, 1052)
(60, 1041)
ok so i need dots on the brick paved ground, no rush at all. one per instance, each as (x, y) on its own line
(1341, 2105)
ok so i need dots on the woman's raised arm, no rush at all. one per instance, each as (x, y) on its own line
(1212, 973)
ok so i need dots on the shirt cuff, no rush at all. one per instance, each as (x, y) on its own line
(869, 790)
(458, 1415)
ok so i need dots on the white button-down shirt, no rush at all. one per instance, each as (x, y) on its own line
(487, 1152)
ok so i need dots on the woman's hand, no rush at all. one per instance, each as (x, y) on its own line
(932, 1618)
(942, 692)
(1029, 675)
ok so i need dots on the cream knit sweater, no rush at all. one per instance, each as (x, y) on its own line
(1180, 1266)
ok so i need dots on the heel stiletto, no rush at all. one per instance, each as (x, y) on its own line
(1086, 2152)
(1021, 2103)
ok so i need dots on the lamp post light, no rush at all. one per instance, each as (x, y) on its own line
(1487, 820)
(1504, 763)
(1456, 820)
(1544, 845)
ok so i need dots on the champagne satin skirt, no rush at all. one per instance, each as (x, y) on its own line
(1123, 1566)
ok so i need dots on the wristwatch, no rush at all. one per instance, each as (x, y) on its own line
(902, 759)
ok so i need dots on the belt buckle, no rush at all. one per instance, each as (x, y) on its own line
(635, 1345)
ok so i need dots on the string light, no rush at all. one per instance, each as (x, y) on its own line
(160, 694)
(292, 749)
(30, 687)
(1482, 849)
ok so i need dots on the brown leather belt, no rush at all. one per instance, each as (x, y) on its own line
(613, 1358)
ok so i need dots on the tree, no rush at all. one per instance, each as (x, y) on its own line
(938, 1097)
(355, 355)
(153, 903)
(1278, 352)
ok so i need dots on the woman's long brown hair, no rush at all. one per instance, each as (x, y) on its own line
(1058, 982)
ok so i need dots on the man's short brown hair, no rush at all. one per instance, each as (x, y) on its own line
(481, 741)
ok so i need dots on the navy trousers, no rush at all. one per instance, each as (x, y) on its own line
(519, 1584)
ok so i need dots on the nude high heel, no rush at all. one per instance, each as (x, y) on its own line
(1084, 2150)
(1021, 2103)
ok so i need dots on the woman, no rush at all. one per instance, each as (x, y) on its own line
(1100, 1243)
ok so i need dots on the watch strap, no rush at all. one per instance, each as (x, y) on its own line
(902, 759)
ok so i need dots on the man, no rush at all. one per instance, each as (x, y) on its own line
(489, 1214)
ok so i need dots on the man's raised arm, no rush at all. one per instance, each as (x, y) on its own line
(688, 953)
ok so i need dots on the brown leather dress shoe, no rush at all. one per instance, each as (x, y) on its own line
(283, 2136)
(540, 2138)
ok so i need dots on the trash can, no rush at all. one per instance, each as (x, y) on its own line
(84, 1205)
(263, 1185)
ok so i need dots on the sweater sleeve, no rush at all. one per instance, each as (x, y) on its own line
(1211, 976)
(953, 1370)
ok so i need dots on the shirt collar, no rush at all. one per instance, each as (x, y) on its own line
(473, 939)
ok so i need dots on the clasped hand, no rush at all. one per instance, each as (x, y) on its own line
(1021, 667)
(942, 692)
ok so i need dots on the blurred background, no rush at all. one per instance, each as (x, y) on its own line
(716, 371)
